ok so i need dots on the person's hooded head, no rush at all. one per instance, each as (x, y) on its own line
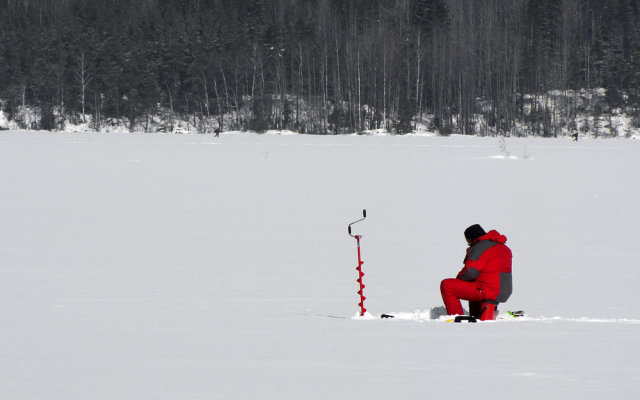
(473, 233)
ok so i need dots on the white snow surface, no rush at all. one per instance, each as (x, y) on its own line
(138, 266)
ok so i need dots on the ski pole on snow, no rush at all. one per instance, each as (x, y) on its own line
(359, 267)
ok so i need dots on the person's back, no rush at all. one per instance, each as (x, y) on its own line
(488, 263)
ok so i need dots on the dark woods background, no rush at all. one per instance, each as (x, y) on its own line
(320, 66)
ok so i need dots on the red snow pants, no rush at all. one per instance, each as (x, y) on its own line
(454, 290)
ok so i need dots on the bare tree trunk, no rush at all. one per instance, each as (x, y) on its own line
(226, 89)
(360, 126)
(25, 114)
(220, 112)
(170, 107)
(384, 85)
(84, 78)
(418, 95)
(206, 92)
(325, 80)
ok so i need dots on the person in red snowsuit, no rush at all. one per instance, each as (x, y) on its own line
(485, 280)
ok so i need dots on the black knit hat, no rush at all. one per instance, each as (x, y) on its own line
(473, 232)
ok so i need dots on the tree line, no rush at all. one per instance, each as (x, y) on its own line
(320, 66)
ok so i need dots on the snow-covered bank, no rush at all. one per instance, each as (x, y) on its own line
(558, 113)
(174, 266)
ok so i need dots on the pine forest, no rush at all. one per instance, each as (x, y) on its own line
(473, 67)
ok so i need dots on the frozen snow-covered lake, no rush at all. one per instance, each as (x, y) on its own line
(140, 266)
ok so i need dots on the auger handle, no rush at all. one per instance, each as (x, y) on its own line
(364, 215)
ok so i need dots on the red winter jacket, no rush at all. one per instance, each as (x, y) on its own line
(488, 263)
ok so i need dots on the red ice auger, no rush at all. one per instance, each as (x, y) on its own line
(359, 267)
